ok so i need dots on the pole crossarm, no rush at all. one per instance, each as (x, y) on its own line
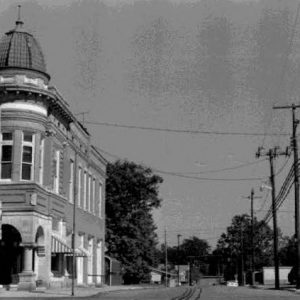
(291, 106)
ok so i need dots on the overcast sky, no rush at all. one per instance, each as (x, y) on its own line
(213, 66)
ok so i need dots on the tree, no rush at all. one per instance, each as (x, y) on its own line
(192, 250)
(236, 244)
(288, 251)
(192, 246)
(131, 194)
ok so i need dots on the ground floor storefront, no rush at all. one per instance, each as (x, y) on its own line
(35, 252)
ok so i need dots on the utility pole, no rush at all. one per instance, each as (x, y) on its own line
(251, 197)
(296, 180)
(272, 154)
(166, 259)
(74, 221)
(178, 262)
(191, 262)
(190, 271)
(242, 256)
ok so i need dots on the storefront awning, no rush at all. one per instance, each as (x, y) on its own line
(59, 246)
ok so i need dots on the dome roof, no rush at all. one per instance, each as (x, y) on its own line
(19, 49)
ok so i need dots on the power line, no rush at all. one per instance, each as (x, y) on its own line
(188, 176)
(282, 167)
(189, 131)
(199, 172)
(207, 178)
(284, 191)
(225, 169)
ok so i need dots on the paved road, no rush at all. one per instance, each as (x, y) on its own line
(153, 293)
(240, 293)
(208, 293)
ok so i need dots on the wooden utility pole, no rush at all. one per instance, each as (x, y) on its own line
(251, 197)
(295, 122)
(166, 259)
(74, 221)
(178, 261)
(242, 255)
(272, 154)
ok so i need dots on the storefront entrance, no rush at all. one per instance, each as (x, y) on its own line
(10, 255)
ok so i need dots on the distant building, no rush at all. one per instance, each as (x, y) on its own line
(47, 166)
(113, 271)
(268, 275)
(184, 272)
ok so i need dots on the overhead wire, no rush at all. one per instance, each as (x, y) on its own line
(225, 169)
(284, 191)
(188, 176)
(189, 131)
(283, 166)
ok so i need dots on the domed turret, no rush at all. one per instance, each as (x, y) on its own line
(19, 50)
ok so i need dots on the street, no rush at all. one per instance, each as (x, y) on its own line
(208, 293)
(218, 292)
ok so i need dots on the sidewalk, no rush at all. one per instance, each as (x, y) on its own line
(66, 292)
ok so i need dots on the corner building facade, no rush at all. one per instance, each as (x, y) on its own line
(48, 170)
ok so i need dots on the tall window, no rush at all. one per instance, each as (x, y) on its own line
(79, 187)
(89, 193)
(42, 153)
(6, 155)
(99, 262)
(90, 261)
(100, 201)
(71, 182)
(93, 195)
(27, 155)
(84, 190)
(56, 171)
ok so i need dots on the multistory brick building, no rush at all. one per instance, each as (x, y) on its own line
(48, 171)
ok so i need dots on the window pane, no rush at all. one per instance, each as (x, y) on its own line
(6, 170)
(6, 153)
(7, 136)
(26, 171)
(27, 137)
(27, 154)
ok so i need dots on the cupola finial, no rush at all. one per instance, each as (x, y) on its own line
(19, 23)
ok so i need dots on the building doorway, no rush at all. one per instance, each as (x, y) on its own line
(10, 255)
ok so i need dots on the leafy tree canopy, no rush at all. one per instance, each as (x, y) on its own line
(189, 247)
(131, 195)
(235, 245)
(288, 251)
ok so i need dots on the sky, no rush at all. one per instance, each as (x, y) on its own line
(207, 71)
